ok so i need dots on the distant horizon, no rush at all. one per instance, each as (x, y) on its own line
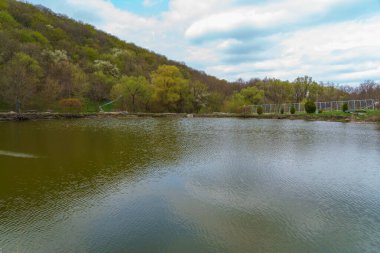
(332, 41)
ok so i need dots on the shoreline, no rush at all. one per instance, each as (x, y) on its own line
(308, 117)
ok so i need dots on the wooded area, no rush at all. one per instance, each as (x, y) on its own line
(51, 62)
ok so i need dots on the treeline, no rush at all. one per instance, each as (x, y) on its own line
(48, 61)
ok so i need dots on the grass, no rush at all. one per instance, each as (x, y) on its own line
(368, 113)
(368, 116)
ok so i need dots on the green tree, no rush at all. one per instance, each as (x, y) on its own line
(310, 107)
(236, 102)
(293, 110)
(260, 110)
(214, 102)
(101, 85)
(21, 77)
(72, 80)
(278, 91)
(171, 89)
(132, 88)
(345, 107)
(253, 95)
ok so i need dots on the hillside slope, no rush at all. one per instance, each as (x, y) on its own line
(46, 58)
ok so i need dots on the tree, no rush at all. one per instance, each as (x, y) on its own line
(293, 110)
(214, 102)
(107, 68)
(171, 89)
(301, 88)
(199, 92)
(252, 95)
(236, 102)
(132, 88)
(49, 93)
(310, 107)
(278, 91)
(72, 80)
(101, 85)
(21, 77)
(345, 107)
(260, 110)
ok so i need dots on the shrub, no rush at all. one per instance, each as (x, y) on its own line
(282, 110)
(71, 104)
(260, 110)
(310, 107)
(292, 110)
(345, 107)
(6, 19)
(320, 111)
(245, 109)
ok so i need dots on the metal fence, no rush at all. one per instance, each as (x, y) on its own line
(353, 105)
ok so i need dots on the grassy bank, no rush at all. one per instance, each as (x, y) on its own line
(369, 116)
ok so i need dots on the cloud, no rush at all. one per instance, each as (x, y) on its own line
(150, 3)
(258, 17)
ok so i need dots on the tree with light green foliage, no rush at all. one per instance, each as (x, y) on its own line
(252, 95)
(247, 96)
(132, 89)
(235, 103)
(7, 20)
(171, 89)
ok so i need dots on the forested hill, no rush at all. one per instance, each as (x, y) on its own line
(46, 58)
(51, 62)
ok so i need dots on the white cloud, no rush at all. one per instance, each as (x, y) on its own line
(279, 13)
(150, 3)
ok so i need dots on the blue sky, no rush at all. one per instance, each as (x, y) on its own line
(145, 8)
(331, 40)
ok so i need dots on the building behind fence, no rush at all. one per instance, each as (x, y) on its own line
(353, 105)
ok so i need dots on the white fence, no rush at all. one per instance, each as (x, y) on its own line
(353, 105)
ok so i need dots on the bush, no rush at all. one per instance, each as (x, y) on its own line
(245, 110)
(320, 111)
(293, 110)
(7, 20)
(310, 107)
(282, 110)
(71, 104)
(260, 110)
(345, 107)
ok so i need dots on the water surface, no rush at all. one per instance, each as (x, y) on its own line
(189, 185)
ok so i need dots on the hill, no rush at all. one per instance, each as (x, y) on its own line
(47, 57)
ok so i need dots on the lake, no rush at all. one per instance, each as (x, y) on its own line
(189, 185)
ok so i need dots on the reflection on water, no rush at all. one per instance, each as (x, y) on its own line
(189, 185)
(15, 154)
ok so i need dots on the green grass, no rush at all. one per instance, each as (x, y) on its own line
(373, 113)
(90, 106)
(327, 114)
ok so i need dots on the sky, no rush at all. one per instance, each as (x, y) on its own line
(331, 40)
